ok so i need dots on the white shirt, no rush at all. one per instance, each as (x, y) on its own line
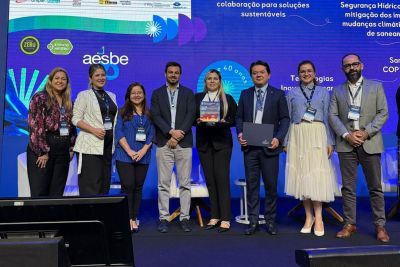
(357, 100)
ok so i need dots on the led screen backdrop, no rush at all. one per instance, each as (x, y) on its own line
(134, 39)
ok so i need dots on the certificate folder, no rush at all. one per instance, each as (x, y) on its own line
(258, 134)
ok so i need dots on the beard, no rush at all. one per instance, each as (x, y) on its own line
(353, 76)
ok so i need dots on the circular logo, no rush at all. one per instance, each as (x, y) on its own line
(235, 77)
(29, 45)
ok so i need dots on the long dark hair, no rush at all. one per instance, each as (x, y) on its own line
(129, 108)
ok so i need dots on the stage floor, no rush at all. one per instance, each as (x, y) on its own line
(233, 248)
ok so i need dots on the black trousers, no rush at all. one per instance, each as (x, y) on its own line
(256, 162)
(216, 167)
(132, 176)
(51, 180)
(371, 166)
(95, 176)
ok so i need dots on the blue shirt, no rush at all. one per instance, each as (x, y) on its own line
(128, 129)
(297, 105)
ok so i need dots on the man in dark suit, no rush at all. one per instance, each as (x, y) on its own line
(173, 112)
(262, 104)
(357, 112)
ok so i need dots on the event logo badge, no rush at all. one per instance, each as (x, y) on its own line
(29, 45)
(60, 47)
(188, 29)
(77, 3)
(235, 77)
(107, 2)
(109, 60)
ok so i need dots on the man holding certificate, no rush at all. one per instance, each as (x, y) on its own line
(261, 106)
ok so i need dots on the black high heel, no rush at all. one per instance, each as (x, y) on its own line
(212, 226)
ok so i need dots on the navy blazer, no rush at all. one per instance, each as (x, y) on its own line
(275, 112)
(161, 114)
(219, 135)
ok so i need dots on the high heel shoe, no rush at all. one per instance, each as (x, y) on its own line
(134, 226)
(213, 223)
(224, 226)
(319, 233)
(305, 230)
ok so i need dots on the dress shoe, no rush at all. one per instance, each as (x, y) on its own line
(319, 233)
(381, 234)
(185, 225)
(251, 230)
(163, 226)
(307, 230)
(347, 231)
(224, 227)
(271, 228)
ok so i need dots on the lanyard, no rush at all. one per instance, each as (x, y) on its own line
(305, 95)
(103, 97)
(209, 99)
(172, 97)
(140, 119)
(353, 98)
(62, 113)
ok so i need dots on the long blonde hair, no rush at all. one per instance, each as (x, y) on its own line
(221, 92)
(66, 95)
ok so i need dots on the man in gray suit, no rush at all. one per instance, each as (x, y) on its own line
(357, 112)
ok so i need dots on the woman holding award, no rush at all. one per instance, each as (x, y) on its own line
(215, 113)
(310, 176)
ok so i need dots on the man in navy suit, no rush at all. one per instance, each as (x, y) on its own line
(262, 104)
(173, 111)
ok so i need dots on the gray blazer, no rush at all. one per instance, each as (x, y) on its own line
(373, 115)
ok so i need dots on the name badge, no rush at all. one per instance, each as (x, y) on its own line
(354, 113)
(107, 123)
(140, 135)
(64, 131)
(309, 115)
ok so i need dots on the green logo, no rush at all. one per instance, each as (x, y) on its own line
(29, 45)
(60, 47)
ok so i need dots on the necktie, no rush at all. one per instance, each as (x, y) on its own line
(260, 98)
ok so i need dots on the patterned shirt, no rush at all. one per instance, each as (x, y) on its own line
(43, 120)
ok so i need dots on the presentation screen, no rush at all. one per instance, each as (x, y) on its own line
(134, 39)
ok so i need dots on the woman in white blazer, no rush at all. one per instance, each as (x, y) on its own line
(95, 111)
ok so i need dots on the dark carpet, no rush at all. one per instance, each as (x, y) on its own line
(233, 248)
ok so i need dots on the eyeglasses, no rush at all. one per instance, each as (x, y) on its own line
(353, 65)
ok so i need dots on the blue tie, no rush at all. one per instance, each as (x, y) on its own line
(260, 98)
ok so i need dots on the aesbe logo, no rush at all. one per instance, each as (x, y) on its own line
(188, 29)
(29, 45)
(110, 61)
